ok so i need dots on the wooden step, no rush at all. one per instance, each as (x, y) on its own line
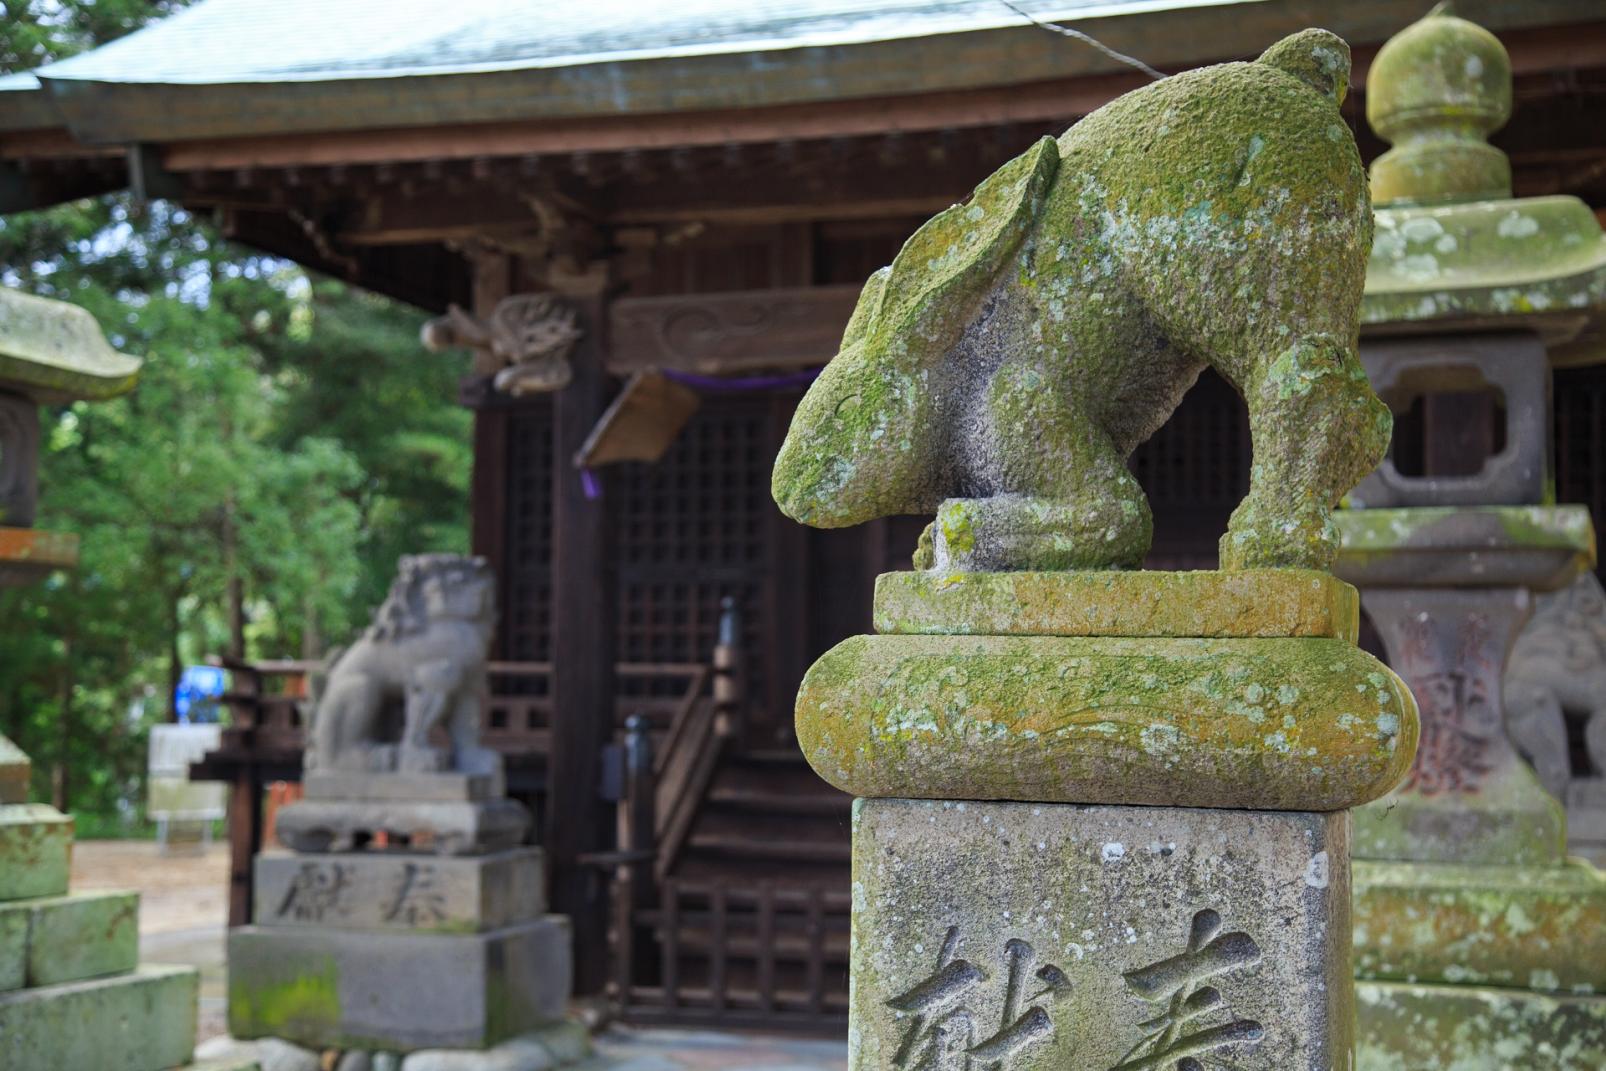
(804, 851)
(829, 802)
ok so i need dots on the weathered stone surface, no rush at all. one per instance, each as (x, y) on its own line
(1035, 936)
(144, 1021)
(14, 773)
(447, 827)
(1557, 672)
(73, 937)
(1262, 724)
(393, 891)
(1247, 603)
(554, 1046)
(425, 652)
(1537, 928)
(54, 351)
(397, 991)
(1023, 342)
(1469, 797)
(1540, 547)
(35, 851)
(1465, 1028)
(402, 785)
(13, 949)
(1402, 370)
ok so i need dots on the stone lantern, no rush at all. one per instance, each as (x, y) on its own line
(1475, 935)
(72, 990)
(50, 352)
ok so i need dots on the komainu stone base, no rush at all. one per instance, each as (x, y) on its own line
(448, 827)
(1406, 1027)
(144, 1021)
(328, 988)
(400, 891)
(1055, 937)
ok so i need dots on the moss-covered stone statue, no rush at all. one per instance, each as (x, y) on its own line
(1023, 343)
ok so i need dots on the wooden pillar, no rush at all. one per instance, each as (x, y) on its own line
(584, 606)
(488, 484)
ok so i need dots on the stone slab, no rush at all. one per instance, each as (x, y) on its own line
(144, 1021)
(1211, 604)
(1468, 1028)
(13, 949)
(179, 798)
(35, 851)
(1538, 547)
(1033, 937)
(321, 987)
(395, 891)
(1538, 928)
(446, 827)
(401, 785)
(15, 771)
(1261, 724)
(73, 937)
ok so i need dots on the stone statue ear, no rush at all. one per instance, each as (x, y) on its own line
(1317, 58)
(957, 252)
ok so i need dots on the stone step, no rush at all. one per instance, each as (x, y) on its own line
(366, 989)
(35, 851)
(142, 1021)
(59, 939)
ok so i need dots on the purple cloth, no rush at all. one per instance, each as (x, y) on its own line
(590, 485)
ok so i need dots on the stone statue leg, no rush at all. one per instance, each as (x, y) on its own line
(1535, 722)
(430, 689)
(343, 730)
(1061, 495)
(1318, 429)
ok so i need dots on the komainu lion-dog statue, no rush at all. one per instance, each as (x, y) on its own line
(425, 650)
(1023, 343)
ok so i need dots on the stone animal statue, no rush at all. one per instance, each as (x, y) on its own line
(1023, 343)
(524, 344)
(425, 650)
(1558, 665)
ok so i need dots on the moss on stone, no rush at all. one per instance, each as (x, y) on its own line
(1415, 1027)
(1024, 342)
(306, 1001)
(1249, 603)
(1311, 724)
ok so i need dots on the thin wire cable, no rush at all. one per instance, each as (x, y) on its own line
(1086, 39)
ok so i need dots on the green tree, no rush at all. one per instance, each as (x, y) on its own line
(286, 442)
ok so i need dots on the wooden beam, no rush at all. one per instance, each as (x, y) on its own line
(578, 820)
(716, 333)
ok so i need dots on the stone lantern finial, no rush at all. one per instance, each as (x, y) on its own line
(1436, 91)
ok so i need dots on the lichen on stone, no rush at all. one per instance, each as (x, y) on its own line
(1023, 343)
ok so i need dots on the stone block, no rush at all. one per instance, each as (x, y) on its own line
(178, 797)
(1538, 928)
(1248, 603)
(15, 771)
(393, 891)
(35, 851)
(1315, 724)
(447, 827)
(73, 937)
(1040, 936)
(397, 991)
(402, 785)
(1541, 547)
(144, 1021)
(13, 948)
(1468, 1028)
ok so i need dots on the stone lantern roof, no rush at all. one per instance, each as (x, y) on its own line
(1453, 249)
(50, 351)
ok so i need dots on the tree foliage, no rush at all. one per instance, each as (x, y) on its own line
(286, 442)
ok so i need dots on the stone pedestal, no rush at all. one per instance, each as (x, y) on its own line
(1111, 834)
(1469, 917)
(72, 993)
(400, 950)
